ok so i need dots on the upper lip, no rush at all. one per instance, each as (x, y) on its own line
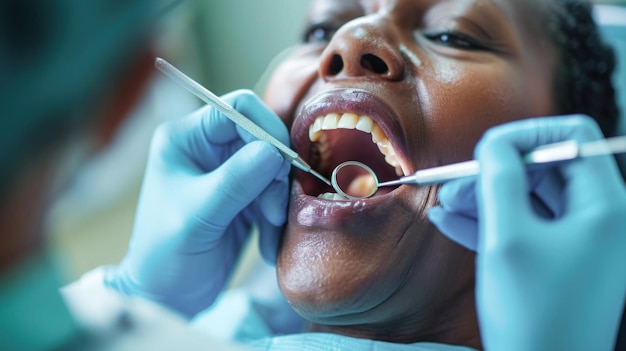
(356, 101)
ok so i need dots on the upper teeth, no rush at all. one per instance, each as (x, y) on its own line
(365, 124)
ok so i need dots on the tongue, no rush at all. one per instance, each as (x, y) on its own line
(362, 186)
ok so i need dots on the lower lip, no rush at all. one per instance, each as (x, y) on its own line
(309, 211)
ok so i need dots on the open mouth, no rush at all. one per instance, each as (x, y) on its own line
(352, 129)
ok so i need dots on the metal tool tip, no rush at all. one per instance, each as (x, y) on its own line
(320, 177)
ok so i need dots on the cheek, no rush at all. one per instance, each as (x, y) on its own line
(461, 107)
(289, 83)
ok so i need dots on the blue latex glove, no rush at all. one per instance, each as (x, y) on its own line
(457, 215)
(543, 283)
(206, 182)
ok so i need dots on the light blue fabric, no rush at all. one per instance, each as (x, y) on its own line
(233, 317)
(238, 316)
(328, 342)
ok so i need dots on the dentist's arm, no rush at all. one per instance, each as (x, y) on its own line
(543, 282)
(206, 182)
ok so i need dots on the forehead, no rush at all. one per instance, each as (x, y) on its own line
(526, 13)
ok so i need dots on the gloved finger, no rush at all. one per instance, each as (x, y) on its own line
(239, 181)
(589, 180)
(251, 106)
(502, 183)
(207, 137)
(502, 146)
(531, 133)
(547, 193)
(273, 202)
(200, 141)
(269, 240)
(578, 174)
(220, 129)
(457, 227)
(459, 196)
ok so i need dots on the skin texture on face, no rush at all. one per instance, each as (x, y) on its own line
(433, 75)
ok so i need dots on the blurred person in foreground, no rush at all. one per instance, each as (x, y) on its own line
(71, 72)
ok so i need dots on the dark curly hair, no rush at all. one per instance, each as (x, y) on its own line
(586, 64)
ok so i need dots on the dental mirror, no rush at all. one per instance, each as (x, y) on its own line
(354, 180)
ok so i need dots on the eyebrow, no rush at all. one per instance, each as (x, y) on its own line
(474, 13)
(527, 19)
(476, 26)
(532, 10)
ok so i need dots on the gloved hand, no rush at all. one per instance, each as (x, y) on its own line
(457, 217)
(545, 283)
(206, 182)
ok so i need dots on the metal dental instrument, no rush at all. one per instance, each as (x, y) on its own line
(563, 151)
(234, 115)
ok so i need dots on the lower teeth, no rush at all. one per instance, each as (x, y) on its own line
(330, 196)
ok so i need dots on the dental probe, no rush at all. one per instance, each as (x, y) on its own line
(563, 151)
(234, 115)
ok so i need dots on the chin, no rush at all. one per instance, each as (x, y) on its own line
(351, 262)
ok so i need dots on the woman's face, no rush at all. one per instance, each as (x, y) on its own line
(424, 80)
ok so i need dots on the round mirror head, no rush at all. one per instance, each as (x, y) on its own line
(354, 180)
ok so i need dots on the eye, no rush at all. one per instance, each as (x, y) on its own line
(319, 33)
(456, 40)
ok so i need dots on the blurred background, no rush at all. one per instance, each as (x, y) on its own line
(225, 45)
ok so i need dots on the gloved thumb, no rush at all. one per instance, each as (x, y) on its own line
(273, 206)
(461, 229)
(456, 217)
(269, 238)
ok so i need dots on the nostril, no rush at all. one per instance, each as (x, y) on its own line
(336, 65)
(374, 63)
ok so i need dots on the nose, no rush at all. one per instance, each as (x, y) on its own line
(363, 48)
